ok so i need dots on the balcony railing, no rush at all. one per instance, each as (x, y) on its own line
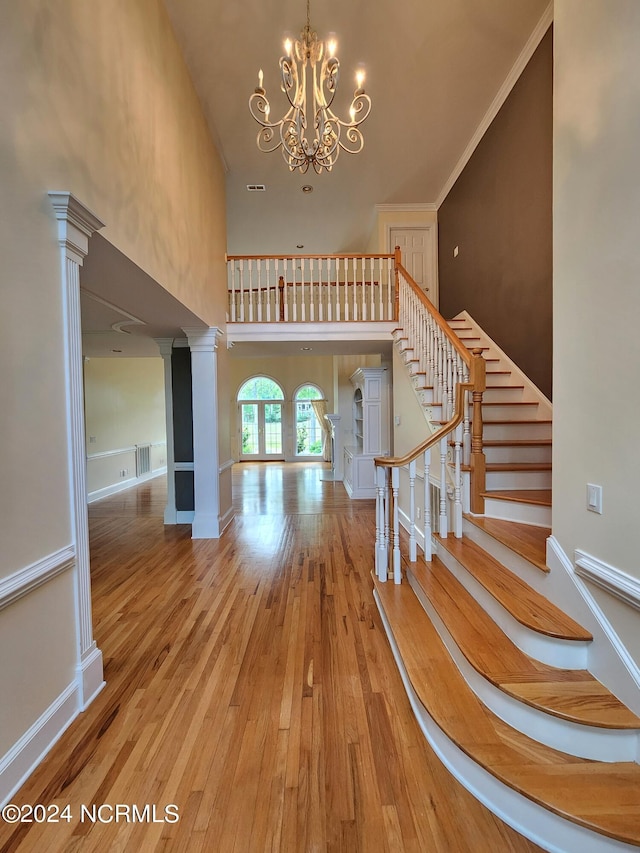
(312, 288)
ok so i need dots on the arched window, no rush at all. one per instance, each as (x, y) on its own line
(260, 388)
(260, 409)
(309, 430)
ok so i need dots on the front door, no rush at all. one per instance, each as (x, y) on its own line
(261, 430)
(418, 255)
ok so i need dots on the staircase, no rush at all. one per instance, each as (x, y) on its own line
(497, 675)
(516, 434)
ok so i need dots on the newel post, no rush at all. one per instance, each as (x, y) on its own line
(478, 461)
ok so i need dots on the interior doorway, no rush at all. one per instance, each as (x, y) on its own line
(419, 255)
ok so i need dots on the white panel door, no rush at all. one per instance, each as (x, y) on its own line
(418, 256)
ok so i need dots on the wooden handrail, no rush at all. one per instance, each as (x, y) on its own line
(455, 341)
(458, 415)
(341, 256)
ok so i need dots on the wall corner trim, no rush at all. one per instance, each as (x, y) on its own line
(612, 580)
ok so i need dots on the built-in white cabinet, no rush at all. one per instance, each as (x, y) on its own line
(370, 430)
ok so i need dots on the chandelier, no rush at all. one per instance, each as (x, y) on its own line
(310, 64)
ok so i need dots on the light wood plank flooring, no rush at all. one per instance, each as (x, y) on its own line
(249, 682)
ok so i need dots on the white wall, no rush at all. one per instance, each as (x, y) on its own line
(96, 99)
(596, 287)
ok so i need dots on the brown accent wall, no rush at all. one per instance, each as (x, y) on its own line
(498, 214)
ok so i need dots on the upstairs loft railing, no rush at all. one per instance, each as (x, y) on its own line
(456, 379)
(312, 288)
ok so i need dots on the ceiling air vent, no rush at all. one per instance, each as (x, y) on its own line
(256, 188)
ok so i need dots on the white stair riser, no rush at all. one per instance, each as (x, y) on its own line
(499, 378)
(510, 411)
(525, 453)
(516, 430)
(504, 394)
(518, 480)
(538, 516)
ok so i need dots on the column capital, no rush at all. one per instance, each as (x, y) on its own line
(203, 340)
(165, 345)
(76, 223)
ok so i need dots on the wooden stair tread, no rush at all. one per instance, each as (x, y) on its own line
(527, 606)
(526, 540)
(538, 497)
(570, 694)
(604, 797)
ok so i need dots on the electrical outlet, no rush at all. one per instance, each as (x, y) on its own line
(418, 513)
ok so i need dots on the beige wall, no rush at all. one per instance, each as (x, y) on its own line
(96, 100)
(124, 406)
(596, 294)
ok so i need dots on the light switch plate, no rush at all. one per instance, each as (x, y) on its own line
(594, 498)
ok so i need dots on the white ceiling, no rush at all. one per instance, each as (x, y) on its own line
(434, 70)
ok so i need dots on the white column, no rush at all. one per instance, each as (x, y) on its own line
(165, 345)
(203, 345)
(75, 225)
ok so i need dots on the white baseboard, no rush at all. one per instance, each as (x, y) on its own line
(123, 485)
(25, 755)
(184, 516)
(226, 519)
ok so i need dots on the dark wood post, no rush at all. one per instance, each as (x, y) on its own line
(478, 461)
(281, 296)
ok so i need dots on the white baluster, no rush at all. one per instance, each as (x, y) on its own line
(457, 504)
(413, 551)
(242, 287)
(428, 532)
(395, 487)
(382, 554)
(444, 528)
(355, 289)
(233, 270)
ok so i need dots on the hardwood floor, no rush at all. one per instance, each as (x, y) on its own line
(251, 684)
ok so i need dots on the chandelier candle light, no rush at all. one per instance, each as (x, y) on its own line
(290, 132)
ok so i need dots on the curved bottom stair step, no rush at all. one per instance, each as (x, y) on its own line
(570, 694)
(560, 802)
(527, 541)
(528, 607)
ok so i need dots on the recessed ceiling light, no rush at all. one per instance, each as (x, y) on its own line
(116, 350)
(306, 349)
(299, 245)
(307, 188)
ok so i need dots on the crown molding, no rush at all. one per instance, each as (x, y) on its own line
(503, 93)
(406, 208)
